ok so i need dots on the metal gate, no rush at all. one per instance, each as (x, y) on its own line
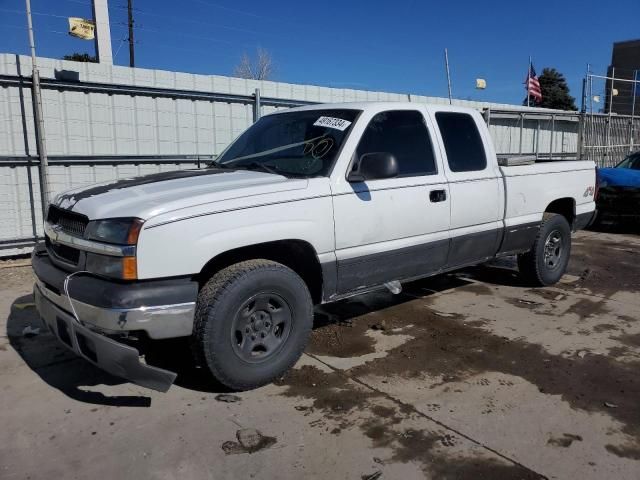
(610, 127)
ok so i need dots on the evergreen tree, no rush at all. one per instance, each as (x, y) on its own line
(81, 57)
(555, 92)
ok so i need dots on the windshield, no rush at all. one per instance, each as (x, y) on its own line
(304, 143)
(632, 162)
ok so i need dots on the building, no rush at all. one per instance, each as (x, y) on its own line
(625, 64)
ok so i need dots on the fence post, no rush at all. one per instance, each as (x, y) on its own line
(553, 131)
(521, 132)
(608, 145)
(41, 143)
(487, 116)
(581, 117)
(633, 110)
(538, 139)
(257, 107)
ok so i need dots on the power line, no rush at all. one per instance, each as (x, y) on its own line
(200, 22)
(189, 35)
(53, 15)
(122, 40)
(223, 7)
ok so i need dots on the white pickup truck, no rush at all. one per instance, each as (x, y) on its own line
(309, 205)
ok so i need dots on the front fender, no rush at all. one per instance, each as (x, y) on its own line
(184, 247)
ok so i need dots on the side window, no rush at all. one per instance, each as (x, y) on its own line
(404, 134)
(462, 142)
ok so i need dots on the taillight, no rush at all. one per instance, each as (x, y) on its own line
(597, 189)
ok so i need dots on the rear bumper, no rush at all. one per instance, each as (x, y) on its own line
(113, 357)
(583, 220)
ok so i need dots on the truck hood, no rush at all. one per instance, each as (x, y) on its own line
(150, 195)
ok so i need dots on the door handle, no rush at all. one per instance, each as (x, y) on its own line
(437, 196)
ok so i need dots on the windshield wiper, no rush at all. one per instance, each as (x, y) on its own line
(260, 166)
(221, 165)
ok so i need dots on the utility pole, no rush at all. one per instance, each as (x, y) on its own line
(446, 65)
(132, 62)
(39, 120)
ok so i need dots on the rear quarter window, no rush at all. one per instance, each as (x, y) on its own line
(462, 142)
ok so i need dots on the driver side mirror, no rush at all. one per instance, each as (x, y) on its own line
(374, 166)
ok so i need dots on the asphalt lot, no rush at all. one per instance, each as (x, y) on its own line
(467, 376)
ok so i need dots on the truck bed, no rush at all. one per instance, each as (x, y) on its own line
(529, 189)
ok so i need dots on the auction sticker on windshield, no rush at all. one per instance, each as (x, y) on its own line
(332, 122)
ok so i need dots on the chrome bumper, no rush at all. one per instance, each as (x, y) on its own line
(161, 321)
(113, 357)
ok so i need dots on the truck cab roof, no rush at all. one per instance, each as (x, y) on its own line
(377, 106)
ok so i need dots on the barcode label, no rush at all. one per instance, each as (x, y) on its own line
(332, 122)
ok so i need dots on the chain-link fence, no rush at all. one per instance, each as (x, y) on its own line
(611, 122)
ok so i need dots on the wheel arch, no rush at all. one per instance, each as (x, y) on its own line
(299, 255)
(565, 207)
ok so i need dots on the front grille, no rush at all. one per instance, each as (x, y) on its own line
(68, 254)
(70, 222)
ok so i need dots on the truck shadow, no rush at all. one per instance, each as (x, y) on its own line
(619, 227)
(80, 380)
(345, 310)
(57, 366)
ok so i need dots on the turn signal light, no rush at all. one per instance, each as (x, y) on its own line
(129, 268)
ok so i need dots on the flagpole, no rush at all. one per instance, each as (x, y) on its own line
(528, 80)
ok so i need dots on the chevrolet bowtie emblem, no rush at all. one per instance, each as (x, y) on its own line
(55, 230)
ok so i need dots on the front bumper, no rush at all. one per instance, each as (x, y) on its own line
(113, 357)
(161, 308)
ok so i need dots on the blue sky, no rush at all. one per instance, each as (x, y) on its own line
(393, 46)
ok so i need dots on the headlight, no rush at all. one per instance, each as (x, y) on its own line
(121, 231)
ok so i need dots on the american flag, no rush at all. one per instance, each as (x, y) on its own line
(533, 84)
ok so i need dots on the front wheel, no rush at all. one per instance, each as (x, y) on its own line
(252, 322)
(548, 258)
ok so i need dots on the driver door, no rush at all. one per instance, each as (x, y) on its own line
(394, 228)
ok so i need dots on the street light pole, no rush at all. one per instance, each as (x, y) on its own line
(39, 120)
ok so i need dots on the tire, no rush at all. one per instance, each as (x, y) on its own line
(252, 323)
(547, 260)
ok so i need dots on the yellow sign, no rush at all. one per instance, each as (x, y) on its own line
(81, 28)
(481, 83)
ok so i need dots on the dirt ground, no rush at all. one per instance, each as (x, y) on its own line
(471, 375)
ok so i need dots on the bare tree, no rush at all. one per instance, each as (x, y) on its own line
(258, 68)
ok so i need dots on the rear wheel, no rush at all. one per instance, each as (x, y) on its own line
(548, 258)
(252, 322)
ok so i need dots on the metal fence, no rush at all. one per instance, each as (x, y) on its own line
(611, 125)
(547, 135)
(107, 122)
